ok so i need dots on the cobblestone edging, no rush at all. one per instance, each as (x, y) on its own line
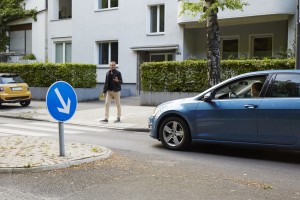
(33, 154)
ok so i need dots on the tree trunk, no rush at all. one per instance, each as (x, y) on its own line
(213, 46)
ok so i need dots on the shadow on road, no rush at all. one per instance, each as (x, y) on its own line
(247, 152)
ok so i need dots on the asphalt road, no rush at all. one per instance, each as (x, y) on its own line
(142, 169)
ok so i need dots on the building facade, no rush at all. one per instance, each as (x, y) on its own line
(135, 31)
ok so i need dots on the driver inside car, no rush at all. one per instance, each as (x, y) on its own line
(255, 89)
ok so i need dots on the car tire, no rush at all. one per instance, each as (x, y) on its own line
(25, 103)
(174, 133)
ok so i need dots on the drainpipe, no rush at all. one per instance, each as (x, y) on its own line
(298, 39)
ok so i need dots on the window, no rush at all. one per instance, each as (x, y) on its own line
(20, 38)
(65, 9)
(285, 85)
(262, 46)
(63, 52)
(108, 51)
(158, 57)
(230, 49)
(157, 19)
(239, 89)
(103, 4)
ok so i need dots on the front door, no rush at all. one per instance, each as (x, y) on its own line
(232, 113)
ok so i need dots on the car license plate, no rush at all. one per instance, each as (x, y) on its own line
(16, 88)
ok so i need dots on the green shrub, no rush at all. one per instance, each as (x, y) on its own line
(29, 56)
(191, 76)
(45, 74)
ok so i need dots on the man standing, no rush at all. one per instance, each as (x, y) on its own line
(112, 88)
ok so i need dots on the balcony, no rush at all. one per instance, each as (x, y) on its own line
(257, 11)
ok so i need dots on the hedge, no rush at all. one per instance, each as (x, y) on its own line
(45, 74)
(191, 76)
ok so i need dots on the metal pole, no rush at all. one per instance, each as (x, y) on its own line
(297, 66)
(61, 139)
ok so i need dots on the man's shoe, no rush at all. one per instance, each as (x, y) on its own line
(117, 120)
(104, 120)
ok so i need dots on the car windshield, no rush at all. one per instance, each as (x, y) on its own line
(11, 79)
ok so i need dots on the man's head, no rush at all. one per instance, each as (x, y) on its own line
(255, 88)
(112, 65)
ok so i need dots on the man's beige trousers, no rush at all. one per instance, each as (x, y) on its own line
(109, 96)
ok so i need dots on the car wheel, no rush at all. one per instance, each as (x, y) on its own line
(174, 133)
(25, 103)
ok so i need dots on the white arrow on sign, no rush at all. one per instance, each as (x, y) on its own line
(66, 108)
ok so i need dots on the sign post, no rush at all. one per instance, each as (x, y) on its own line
(61, 101)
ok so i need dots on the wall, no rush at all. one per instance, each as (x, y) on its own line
(128, 25)
(156, 98)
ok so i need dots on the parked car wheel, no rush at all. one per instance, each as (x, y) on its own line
(25, 103)
(174, 133)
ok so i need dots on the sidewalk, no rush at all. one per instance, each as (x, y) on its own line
(33, 154)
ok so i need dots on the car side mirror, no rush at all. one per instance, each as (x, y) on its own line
(207, 97)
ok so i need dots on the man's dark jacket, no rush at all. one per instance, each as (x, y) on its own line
(116, 86)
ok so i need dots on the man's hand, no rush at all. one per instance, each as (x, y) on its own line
(116, 79)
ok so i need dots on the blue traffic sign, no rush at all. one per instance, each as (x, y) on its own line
(61, 101)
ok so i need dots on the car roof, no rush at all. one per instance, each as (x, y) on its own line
(295, 71)
(272, 72)
(265, 72)
(8, 74)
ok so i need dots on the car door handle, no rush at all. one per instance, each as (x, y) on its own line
(250, 106)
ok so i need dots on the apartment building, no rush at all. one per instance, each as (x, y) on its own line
(133, 31)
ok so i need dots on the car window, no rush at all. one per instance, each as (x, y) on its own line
(11, 79)
(285, 85)
(242, 88)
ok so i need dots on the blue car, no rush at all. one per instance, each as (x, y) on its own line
(258, 108)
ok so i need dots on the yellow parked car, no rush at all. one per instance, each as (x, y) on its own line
(13, 89)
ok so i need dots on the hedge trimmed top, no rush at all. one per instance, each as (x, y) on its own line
(191, 76)
(45, 74)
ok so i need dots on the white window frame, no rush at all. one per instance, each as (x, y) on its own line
(233, 37)
(165, 54)
(64, 50)
(158, 20)
(108, 6)
(254, 36)
(109, 52)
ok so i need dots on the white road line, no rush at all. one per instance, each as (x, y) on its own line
(20, 132)
(74, 127)
(37, 128)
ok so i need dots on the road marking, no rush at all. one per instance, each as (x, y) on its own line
(37, 128)
(70, 126)
(21, 132)
(43, 129)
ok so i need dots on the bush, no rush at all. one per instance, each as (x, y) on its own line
(45, 74)
(29, 56)
(191, 76)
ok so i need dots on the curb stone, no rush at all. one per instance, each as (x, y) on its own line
(105, 154)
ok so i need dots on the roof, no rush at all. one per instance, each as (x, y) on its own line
(8, 74)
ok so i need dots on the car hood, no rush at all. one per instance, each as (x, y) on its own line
(178, 104)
